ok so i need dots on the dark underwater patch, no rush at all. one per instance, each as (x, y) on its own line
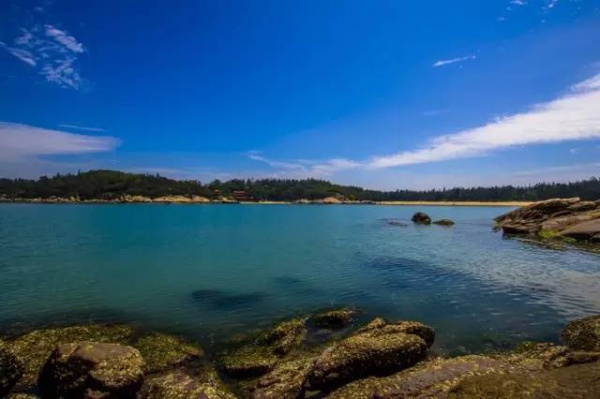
(296, 285)
(223, 300)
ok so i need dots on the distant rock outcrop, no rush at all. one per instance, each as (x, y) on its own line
(421, 218)
(568, 218)
(444, 222)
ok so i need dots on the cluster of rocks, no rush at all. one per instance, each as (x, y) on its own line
(423, 218)
(377, 360)
(558, 219)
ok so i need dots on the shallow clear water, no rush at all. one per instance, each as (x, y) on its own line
(213, 270)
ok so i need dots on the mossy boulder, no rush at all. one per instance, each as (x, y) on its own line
(92, 370)
(583, 334)
(34, 347)
(333, 319)
(259, 356)
(579, 381)
(444, 222)
(421, 218)
(163, 352)
(286, 381)
(428, 379)
(180, 385)
(285, 336)
(374, 351)
(379, 326)
(11, 369)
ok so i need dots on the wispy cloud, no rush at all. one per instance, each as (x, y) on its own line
(574, 116)
(52, 51)
(89, 129)
(440, 63)
(307, 168)
(21, 142)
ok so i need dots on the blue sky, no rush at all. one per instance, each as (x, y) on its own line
(382, 94)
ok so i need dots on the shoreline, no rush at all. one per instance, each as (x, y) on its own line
(188, 201)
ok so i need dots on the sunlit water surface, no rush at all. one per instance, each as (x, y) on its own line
(209, 271)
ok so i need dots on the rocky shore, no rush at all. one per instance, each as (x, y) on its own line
(569, 220)
(378, 360)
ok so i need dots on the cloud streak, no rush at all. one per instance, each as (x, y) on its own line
(441, 63)
(88, 129)
(574, 116)
(22, 142)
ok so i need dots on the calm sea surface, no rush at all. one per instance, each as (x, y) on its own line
(214, 270)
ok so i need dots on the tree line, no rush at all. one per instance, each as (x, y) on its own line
(110, 185)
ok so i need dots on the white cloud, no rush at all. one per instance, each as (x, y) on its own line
(440, 63)
(22, 142)
(518, 2)
(64, 38)
(89, 129)
(574, 116)
(52, 51)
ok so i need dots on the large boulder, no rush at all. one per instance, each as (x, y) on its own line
(566, 219)
(179, 385)
(579, 381)
(421, 218)
(375, 350)
(92, 370)
(430, 379)
(34, 347)
(583, 334)
(11, 369)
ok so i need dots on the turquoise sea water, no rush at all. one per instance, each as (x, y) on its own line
(209, 271)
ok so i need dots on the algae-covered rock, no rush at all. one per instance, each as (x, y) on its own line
(11, 369)
(421, 218)
(260, 356)
(444, 222)
(333, 319)
(179, 385)
(92, 369)
(429, 379)
(285, 336)
(249, 361)
(583, 334)
(380, 326)
(34, 348)
(365, 354)
(574, 382)
(162, 352)
(286, 381)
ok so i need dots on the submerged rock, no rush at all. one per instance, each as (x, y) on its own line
(421, 218)
(179, 385)
(11, 369)
(583, 334)
(333, 319)
(375, 350)
(92, 370)
(579, 381)
(444, 222)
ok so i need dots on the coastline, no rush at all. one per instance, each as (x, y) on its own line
(206, 201)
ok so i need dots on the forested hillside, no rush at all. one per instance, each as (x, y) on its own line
(106, 184)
